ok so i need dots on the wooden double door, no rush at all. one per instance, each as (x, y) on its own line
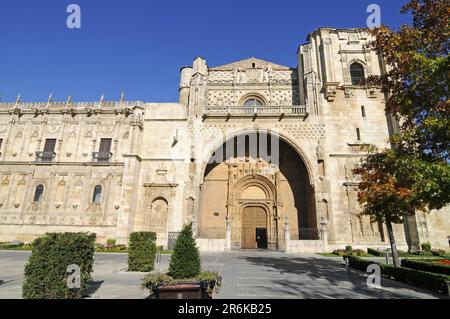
(254, 228)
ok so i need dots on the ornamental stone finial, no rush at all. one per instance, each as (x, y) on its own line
(69, 99)
(18, 99)
(122, 97)
(102, 98)
(50, 98)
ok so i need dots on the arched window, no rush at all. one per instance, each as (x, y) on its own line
(38, 193)
(253, 102)
(356, 73)
(97, 197)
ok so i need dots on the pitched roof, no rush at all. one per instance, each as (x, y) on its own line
(248, 63)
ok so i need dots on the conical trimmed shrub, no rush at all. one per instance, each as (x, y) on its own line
(185, 261)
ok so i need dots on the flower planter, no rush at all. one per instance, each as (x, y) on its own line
(186, 290)
(180, 291)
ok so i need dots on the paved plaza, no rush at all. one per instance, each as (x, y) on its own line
(246, 275)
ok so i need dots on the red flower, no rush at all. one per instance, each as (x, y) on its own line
(442, 262)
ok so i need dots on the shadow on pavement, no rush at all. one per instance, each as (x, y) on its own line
(327, 279)
(93, 286)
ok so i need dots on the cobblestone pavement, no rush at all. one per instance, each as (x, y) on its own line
(246, 274)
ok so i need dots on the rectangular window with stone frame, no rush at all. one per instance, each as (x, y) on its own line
(49, 150)
(104, 151)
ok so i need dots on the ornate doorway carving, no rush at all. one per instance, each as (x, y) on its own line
(253, 204)
(240, 174)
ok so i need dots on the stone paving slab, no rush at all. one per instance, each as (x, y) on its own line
(246, 275)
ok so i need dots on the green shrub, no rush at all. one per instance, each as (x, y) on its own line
(142, 251)
(46, 275)
(358, 263)
(375, 252)
(348, 249)
(383, 253)
(439, 252)
(340, 252)
(421, 253)
(423, 279)
(426, 266)
(185, 261)
(354, 252)
(155, 279)
(426, 247)
(14, 244)
(111, 242)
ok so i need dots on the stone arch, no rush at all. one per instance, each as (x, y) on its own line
(362, 63)
(96, 187)
(222, 140)
(156, 216)
(37, 205)
(240, 223)
(287, 186)
(258, 181)
(253, 192)
(355, 60)
(256, 96)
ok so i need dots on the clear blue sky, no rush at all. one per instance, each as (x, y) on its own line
(138, 46)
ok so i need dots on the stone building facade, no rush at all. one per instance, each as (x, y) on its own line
(255, 154)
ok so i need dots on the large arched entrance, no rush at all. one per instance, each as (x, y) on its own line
(258, 184)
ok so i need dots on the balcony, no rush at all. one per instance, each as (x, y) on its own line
(101, 157)
(256, 111)
(45, 156)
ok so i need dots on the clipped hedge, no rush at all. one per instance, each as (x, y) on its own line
(383, 253)
(142, 251)
(426, 266)
(46, 275)
(423, 279)
(359, 263)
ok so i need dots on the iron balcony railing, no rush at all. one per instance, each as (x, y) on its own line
(101, 157)
(45, 156)
(295, 110)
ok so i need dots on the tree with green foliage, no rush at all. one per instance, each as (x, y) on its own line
(394, 185)
(417, 79)
(415, 173)
(185, 260)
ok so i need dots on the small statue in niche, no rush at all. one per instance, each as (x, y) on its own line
(319, 151)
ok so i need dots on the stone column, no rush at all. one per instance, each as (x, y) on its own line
(194, 224)
(287, 234)
(324, 234)
(228, 234)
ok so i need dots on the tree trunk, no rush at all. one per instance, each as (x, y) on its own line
(393, 244)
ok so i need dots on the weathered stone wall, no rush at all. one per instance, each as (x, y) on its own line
(70, 178)
(155, 178)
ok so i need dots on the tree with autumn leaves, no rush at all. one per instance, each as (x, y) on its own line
(415, 173)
